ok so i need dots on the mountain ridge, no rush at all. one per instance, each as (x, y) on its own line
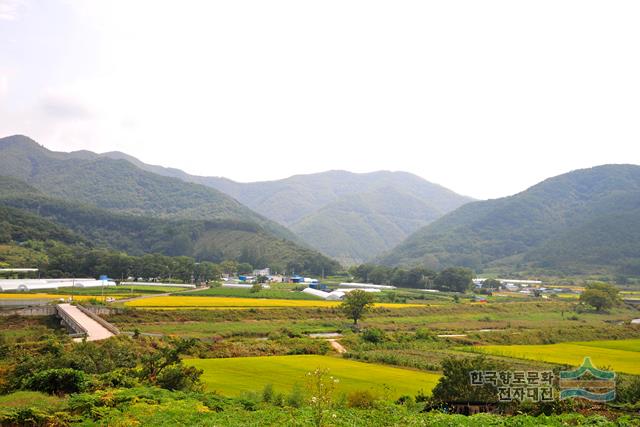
(303, 203)
(525, 228)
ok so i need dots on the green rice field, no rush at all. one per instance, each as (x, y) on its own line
(233, 376)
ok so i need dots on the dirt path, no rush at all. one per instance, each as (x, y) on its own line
(337, 346)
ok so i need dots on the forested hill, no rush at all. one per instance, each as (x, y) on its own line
(585, 221)
(357, 227)
(120, 186)
(349, 216)
(27, 214)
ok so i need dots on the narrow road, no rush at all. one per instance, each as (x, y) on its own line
(95, 331)
(337, 346)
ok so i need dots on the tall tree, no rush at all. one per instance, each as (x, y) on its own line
(356, 304)
(454, 279)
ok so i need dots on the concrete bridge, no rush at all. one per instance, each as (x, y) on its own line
(84, 323)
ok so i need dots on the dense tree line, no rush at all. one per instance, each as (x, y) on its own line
(456, 279)
(59, 260)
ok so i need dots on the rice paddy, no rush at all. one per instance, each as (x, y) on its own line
(234, 376)
(234, 302)
(620, 355)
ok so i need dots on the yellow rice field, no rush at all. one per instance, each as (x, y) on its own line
(231, 302)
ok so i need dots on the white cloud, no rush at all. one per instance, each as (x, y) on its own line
(9, 9)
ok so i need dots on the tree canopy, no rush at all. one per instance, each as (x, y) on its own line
(356, 304)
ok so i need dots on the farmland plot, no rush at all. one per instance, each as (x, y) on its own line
(234, 376)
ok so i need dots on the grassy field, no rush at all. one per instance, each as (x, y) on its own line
(237, 375)
(240, 328)
(621, 356)
(231, 302)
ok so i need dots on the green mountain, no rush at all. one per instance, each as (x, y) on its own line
(28, 214)
(583, 222)
(351, 217)
(119, 186)
(357, 227)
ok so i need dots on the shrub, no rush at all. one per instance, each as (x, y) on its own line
(628, 390)
(404, 400)
(295, 399)
(454, 385)
(180, 377)
(57, 381)
(373, 335)
(267, 393)
(425, 334)
(119, 378)
(30, 417)
(362, 399)
(278, 399)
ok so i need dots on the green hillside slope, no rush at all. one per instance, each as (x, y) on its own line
(338, 212)
(582, 221)
(357, 227)
(119, 186)
(28, 214)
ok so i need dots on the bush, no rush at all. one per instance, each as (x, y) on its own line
(57, 381)
(454, 385)
(425, 334)
(119, 378)
(295, 399)
(362, 399)
(628, 390)
(373, 335)
(404, 400)
(180, 377)
(267, 393)
(30, 417)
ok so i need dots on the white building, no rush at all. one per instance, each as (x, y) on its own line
(365, 285)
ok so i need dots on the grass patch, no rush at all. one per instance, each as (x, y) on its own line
(34, 399)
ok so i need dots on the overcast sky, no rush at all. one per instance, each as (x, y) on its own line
(483, 97)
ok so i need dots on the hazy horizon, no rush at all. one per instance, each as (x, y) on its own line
(486, 99)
